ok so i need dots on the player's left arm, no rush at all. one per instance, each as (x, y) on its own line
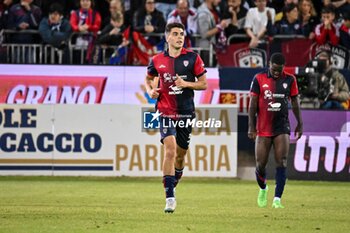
(296, 109)
(200, 84)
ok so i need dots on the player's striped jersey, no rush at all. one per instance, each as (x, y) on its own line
(174, 101)
(273, 95)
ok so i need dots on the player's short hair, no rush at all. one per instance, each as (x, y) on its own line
(277, 58)
(170, 26)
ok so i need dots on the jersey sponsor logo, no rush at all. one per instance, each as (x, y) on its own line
(175, 90)
(162, 66)
(169, 78)
(265, 85)
(274, 107)
(276, 95)
(186, 62)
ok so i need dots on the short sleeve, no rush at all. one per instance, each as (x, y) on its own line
(294, 88)
(199, 69)
(248, 20)
(254, 87)
(151, 69)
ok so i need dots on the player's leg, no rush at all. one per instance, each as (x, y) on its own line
(281, 149)
(179, 163)
(169, 141)
(183, 136)
(262, 150)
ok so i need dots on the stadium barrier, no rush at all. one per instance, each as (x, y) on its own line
(46, 54)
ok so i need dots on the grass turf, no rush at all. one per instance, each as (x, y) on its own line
(90, 204)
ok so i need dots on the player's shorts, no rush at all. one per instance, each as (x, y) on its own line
(182, 134)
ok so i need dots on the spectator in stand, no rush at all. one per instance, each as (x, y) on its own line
(235, 13)
(24, 16)
(256, 22)
(327, 31)
(55, 30)
(85, 20)
(130, 7)
(149, 20)
(288, 25)
(308, 18)
(5, 6)
(340, 6)
(111, 34)
(115, 6)
(333, 88)
(166, 6)
(187, 16)
(344, 31)
(210, 26)
(279, 9)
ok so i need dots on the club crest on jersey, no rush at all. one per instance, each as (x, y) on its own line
(186, 62)
(267, 94)
(285, 85)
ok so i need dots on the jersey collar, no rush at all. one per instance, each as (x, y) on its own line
(183, 51)
(269, 75)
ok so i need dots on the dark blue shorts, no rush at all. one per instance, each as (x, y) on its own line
(182, 134)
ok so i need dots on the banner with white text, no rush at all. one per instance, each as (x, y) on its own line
(109, 140)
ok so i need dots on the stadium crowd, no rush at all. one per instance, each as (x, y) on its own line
(207, 22)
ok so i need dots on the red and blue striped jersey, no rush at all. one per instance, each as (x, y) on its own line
(174, 101)
(273, 95)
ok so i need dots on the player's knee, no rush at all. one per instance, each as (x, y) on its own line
(170, 153)
(282, 162)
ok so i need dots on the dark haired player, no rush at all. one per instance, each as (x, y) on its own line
(172, 77)
(269, 95)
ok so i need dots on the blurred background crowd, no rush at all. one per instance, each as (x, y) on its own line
(86, 23)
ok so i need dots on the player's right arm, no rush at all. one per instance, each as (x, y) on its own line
(152, 81)
(151, 84)
(253, 108)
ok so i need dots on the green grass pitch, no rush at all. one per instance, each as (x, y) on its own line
(90, 204)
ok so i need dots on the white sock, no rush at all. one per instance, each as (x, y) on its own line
(276, 199)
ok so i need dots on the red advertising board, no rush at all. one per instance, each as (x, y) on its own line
(33, 89)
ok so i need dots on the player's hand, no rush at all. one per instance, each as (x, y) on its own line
(251, 133)
(179, 82)
(298, 131)
(154, 92)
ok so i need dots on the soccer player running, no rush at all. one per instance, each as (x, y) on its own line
(269, 95)
(171, 78)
